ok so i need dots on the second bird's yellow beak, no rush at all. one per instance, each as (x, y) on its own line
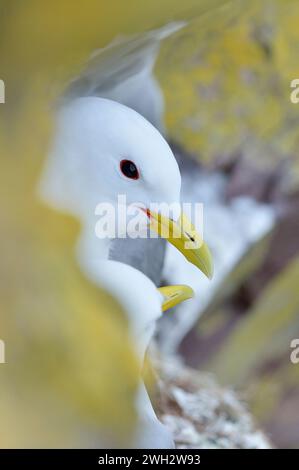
(174, 295)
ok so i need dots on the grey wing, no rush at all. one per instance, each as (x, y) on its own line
(123, 72)
(146, 255)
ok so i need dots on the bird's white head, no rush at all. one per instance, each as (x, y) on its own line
(104, 149)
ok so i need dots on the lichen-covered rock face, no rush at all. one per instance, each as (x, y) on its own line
(236, 116)
(203, 414)
(227, 78)
(245, 335)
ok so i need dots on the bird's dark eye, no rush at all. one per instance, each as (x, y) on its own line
(129, 169)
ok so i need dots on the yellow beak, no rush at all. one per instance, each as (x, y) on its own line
(183, 235)
(173, 295)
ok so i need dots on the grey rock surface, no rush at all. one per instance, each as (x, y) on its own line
(202, 414)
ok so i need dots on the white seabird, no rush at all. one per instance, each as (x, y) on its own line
(93, 139)
(124, 72)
